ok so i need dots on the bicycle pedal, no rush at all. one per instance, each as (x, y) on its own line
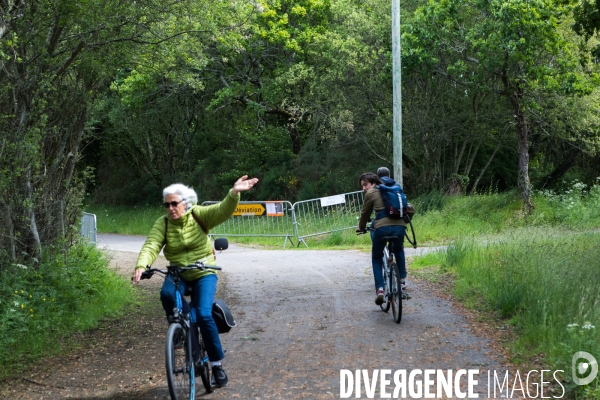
(405, 296)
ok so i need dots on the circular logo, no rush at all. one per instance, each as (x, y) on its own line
(582, 368)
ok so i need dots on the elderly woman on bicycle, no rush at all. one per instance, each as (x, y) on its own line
(183, 233)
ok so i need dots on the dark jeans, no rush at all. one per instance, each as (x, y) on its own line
(377, 251)
(203, 294)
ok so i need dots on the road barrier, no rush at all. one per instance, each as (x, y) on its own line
(327, 214)
(299, 220)
(259, 218)
(88, 227)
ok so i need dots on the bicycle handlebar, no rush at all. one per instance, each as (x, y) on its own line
(149, 272)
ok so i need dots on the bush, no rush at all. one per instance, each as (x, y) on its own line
(65, 293)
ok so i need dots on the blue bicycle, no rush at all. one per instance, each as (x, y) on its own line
(185, 353)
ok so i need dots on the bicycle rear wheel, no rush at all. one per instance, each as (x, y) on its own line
(396, 293)
(385, 306)
(204, 368)
(179, 364)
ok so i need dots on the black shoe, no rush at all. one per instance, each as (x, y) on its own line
(220, 377)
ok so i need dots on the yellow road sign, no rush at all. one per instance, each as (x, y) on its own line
(250, 209)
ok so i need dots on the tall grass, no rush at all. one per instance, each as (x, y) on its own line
(543, 281)
(41, 305)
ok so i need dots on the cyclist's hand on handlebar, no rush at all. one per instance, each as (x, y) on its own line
(137, 275)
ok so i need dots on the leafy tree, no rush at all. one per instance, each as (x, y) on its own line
(516, 50)
(56, 57)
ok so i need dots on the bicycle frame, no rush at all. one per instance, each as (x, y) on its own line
(391, 277)
(180, 320)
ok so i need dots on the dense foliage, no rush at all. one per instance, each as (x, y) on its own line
(40, 307)
(122, 98)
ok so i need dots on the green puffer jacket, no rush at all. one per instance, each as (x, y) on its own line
(186, 240)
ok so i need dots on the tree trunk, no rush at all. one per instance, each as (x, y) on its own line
(514, 96)
(523, 183)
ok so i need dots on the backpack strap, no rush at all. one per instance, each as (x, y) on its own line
(166, 227)
(200, 223)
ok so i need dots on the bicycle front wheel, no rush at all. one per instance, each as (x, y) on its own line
(396, 293)
(179, 363)
(204, 368)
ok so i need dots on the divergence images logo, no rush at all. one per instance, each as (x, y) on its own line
(583, 367)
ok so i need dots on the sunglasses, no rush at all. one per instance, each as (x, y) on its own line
(171, 204)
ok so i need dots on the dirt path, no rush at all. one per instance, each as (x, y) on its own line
(302, 316)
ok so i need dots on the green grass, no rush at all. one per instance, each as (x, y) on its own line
(541, 281)
(41, 306)
(134, 220)
(428, 260)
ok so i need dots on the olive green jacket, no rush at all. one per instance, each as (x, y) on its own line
(374, 202)
(186, 241)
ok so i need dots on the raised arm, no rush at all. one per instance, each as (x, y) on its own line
(243, 184)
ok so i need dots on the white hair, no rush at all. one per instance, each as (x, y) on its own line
(185, 193)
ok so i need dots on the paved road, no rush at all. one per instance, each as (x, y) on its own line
(304, 315)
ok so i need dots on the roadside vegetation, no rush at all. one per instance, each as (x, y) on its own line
(540, 275)
(42, 305)
(544, 282)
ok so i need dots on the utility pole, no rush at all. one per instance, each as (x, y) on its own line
(397, 95)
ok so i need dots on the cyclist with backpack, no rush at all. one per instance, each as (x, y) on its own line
(183, 233)
(388, 202)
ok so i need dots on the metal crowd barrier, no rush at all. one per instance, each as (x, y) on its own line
(327, 214)
(259, 218)
(88, 227)
(300, 220)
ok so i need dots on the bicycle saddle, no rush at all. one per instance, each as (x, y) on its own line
(386, 238)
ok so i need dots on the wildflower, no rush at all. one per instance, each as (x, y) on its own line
(17, 303)
(21, 266)
(588, 325)
(572, 326)
(22, 305)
